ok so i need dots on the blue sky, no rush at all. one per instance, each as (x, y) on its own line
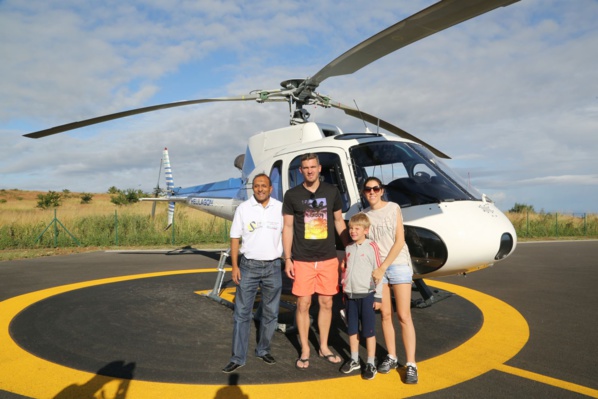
(511, 96)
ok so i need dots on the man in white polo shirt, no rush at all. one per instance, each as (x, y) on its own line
(258, 223)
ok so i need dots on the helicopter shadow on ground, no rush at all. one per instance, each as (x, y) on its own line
(186, 250)
(338, 339)
(110, 382)
(189, 250)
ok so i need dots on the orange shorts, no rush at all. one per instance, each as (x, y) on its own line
(316, 277)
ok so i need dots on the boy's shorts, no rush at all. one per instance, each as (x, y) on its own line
(398, 274)
(316, 277)
(361, 309)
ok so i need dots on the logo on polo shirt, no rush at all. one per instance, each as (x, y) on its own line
(252, 226)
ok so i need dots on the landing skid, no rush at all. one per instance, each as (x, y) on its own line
(216, 292)
(428, 296)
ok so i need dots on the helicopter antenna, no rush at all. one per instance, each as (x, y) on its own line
(360, 114)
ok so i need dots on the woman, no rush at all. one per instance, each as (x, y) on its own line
(396, 272)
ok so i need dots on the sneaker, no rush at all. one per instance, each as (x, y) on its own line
(411, 375)
(388, 364)
(370, 372)
(268, 359)
(349, 366)
(232, 366)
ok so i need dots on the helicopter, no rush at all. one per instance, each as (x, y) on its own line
(450, 227)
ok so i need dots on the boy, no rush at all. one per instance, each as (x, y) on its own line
(362, 296)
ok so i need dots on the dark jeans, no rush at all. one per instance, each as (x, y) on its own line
(256, 274)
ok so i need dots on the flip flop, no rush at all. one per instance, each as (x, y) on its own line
(329, 358)
(303, 362)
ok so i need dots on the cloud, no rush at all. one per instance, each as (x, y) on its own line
(509, 95)
(564, 180)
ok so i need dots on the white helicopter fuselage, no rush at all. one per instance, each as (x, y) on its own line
(449, 227)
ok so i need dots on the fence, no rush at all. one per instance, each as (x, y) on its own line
(555, 225)
(142, 230)
(114, 230)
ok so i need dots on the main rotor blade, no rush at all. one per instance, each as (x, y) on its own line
(386, 126)
(105, 118)
(433, 19)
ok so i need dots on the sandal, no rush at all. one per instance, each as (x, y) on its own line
(329, 358)
(303, 362)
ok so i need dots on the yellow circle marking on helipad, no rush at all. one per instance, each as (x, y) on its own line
(503, 334)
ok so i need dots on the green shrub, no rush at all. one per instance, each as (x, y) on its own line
(86, 198)
(50, 199)
(126, 197)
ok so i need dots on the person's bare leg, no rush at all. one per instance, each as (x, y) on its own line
(354, 343)
(403, 303)
(370, 345)
(324, 322)
(388, 329)
(302, 320)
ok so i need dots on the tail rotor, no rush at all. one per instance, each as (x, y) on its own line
(169, 186)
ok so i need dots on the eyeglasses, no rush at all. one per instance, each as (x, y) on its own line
(375, 189)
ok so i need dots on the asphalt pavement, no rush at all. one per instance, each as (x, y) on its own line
(138, 321)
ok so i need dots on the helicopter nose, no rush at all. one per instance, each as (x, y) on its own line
(457, 237)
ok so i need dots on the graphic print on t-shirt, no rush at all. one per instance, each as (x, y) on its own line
(316, 219)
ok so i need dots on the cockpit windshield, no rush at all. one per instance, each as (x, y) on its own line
(411, 174)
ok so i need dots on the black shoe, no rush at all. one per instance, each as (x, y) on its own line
(349, 366)
(268, 359)
(388, 364)
(370, 372)
(232, 366)
(411, 375)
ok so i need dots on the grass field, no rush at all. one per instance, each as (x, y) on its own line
(100, 224)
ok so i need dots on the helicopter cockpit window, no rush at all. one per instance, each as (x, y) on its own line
(450, 174)
(332, 172)
(411, 177)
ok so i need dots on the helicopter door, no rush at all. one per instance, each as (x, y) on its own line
(332, 172)
(276, 179)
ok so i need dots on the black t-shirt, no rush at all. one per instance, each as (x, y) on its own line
(313, 229)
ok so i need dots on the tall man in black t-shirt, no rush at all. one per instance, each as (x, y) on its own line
(312, 212)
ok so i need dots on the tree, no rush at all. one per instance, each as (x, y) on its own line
(126, 197)
(86, 198)
(113, 190)
(50, 199)
(522, 208)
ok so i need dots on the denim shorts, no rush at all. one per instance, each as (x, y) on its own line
(398, 274)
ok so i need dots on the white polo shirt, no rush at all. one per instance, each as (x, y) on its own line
(259, 228)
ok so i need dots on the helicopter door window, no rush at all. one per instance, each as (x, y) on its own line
(332, 172)
(276, 179)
